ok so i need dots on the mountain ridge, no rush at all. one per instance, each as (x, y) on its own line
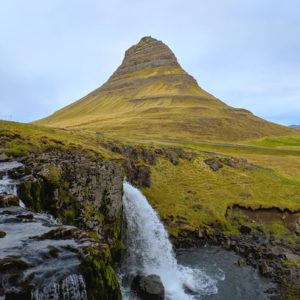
(150, 95)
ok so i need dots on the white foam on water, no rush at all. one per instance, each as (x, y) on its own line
(7, 184)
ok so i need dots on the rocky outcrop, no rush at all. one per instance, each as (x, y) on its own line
(276, 258)
(76, 189)
(216, 163)
(42, 259)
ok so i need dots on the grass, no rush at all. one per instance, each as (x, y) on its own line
(279, 142)
(191, 195)
(18, 139)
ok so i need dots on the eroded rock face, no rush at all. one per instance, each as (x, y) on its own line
(148, 53)
(42, 259)
(77, 190)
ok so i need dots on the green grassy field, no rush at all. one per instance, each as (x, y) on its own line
(278, 142)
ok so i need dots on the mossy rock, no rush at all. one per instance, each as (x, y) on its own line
(12, 264)
(101, 279)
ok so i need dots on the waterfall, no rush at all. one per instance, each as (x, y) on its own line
(7, 184)
(73, 287)
(150, 251)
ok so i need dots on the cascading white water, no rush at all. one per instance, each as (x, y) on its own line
(150, 251)
(8, 185)
(72, 287)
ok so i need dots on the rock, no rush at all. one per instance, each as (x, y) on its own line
(263, 268)
(173, 158)
(241, 262)
(3, 157)
(297, 227)
(245, 229)
(260, 229)
(213, 163)
(25, 216)
(148, 287)
(60, 263)
(7, 200)
(2, 234)
(78, 190)
(19, 172)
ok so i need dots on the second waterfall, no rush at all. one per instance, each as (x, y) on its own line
(150, 252)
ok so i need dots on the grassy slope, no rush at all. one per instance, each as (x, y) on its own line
(19, 139)
(189, 195)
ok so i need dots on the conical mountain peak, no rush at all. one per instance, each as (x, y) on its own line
(148, 53)
(151, 96)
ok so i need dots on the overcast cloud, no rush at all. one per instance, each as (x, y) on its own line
(53, 52)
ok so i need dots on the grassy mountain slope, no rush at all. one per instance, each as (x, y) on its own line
(150, 95)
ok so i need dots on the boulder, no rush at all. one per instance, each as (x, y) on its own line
(3, 157)
(148, 287)
(18, 172)
(7, 200)
(214, 164)
(245, 229)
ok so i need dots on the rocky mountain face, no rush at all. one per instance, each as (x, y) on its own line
(295, 126)
(151, 96)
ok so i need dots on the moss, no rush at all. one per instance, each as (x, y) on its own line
(53, 251)
(16, 151)
(100, 218)
(101, 279)
(12, 264)
(68, 216)
(25, 194)
(94, 235)
(88, 212)
(86, 192)
(54, 176)
(2, 234)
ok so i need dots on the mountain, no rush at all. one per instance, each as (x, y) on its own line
(151, 96)
(295, 126)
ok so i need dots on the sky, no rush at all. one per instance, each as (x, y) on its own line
(244, 52)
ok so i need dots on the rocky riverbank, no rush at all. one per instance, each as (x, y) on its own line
(276, 258)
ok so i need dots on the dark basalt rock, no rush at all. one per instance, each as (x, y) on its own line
(213, 163)
(19, 172)
(245, 229)
(76, 189)
(148, 287)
